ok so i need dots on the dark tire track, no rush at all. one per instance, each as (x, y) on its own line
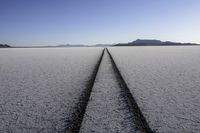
(140, 120)
(78, 115)
(108, 109)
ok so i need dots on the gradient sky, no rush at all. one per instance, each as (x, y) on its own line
(54, 22)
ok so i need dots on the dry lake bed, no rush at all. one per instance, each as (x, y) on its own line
(90, 89)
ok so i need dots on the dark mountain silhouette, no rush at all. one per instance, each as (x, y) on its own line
(4, 46)
(146, 42)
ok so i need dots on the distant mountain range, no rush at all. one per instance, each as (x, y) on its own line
(146, 42)
(80, 45)
(68, 45)
(4, 46)
(138, 42)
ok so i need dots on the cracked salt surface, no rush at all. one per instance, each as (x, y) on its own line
(39, 88)
(165, 81)
(107, 110)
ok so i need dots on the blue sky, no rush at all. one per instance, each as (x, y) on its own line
(53, 22)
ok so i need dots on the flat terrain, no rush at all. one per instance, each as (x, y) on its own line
(39, 88)
(107, 110)
(129, 89)
(165, 81)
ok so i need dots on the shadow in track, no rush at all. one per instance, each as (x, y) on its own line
(139, 119)
(77, 117)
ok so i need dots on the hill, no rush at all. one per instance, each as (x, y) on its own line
(4, 46)
(146, 42)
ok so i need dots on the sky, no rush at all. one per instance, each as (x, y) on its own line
(55, 22)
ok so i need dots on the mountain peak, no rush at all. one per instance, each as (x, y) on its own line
(152, 42)
(147, 41)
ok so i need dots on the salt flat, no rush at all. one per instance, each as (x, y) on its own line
(108, 110)
(39, 88)
(165, 81)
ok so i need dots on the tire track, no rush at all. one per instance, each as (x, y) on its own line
(140, 120)
(77, 117)
(108, 110)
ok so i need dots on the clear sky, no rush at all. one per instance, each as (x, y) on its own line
(53, 22)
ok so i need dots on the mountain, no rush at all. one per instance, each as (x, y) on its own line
(146, 42)
(70, 45)
(4, 46)
(102, 45)
(80, 45)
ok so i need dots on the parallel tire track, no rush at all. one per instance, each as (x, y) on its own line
(77, 117)
(139, 119)
(108, 109)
